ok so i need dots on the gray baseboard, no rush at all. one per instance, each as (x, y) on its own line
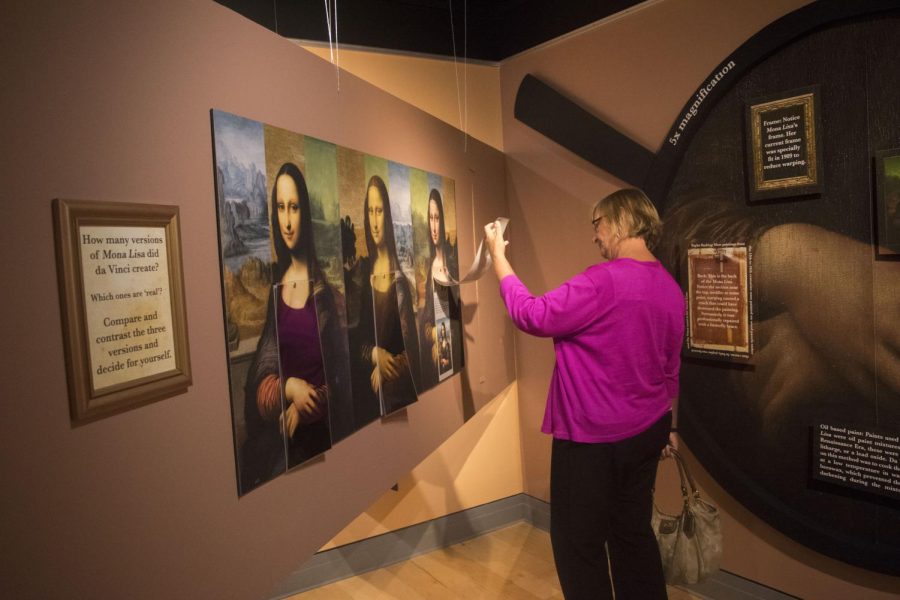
(396, 546)
(723, 585)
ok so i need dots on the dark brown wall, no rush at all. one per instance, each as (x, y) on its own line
(110, 101)
(823, 319)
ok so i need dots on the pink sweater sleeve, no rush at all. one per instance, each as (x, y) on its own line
(560, 312)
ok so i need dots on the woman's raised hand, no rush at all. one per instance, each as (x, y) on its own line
(493, 238)
(496, 246)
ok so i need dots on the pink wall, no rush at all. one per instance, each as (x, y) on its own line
(110, 101)
(635, 71)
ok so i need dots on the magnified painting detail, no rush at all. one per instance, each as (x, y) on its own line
(826, 330)
(324, 279)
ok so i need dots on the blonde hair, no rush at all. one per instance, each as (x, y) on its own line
(631, 214)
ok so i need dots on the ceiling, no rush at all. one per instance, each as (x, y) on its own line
(486, 30)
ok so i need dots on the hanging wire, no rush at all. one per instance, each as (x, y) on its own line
(465, 74)
(456, 72)
(333, 47)
(328, 25)
(275, 12)
(337, 48)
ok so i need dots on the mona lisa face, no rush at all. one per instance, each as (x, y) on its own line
(376, 215)
(287, 204)
(434, 221)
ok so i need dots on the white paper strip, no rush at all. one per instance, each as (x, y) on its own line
(481, 263)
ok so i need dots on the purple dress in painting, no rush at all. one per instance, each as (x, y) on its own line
(301, 356)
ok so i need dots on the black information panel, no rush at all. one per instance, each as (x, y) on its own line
(861, 459)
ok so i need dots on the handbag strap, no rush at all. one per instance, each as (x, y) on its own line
(685, 474)
(684, 482)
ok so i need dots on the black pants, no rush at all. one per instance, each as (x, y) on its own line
(601, 497)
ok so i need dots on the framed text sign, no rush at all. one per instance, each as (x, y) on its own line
(122, 303)
(856, 457)
(719, 315)
(887, 203)
(783, 145)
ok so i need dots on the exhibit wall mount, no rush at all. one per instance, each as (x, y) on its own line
(122, 302)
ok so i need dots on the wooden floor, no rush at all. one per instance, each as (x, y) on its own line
(515, 562)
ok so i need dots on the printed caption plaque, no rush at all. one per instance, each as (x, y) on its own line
(784, 150)
(122, 303)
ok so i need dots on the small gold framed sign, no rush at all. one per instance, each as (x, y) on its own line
(720, 302)
(122, 302)
(887, 203)
(783, 145)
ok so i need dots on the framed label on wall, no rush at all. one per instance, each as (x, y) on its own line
(887, 202)
(784, 150)
(719, 301)
(122, 300)
(863, 459)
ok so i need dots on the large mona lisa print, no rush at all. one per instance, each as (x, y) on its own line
(332, 317)
(826, 313)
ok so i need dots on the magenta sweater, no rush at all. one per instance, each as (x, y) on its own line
(617, 330)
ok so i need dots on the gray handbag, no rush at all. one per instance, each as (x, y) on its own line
(690, 544)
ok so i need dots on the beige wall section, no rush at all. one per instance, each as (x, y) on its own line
(635, 71)
(465, 96)
(479, 463)
(110, 101)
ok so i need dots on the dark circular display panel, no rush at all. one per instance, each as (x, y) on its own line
(826, 311)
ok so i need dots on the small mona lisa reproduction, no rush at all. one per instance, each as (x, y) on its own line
(334, 314)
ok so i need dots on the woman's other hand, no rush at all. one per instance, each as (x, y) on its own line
(672, 444)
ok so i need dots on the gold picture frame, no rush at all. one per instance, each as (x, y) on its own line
(887, 204)
(122, 304)
(719, 302)
(784, 147)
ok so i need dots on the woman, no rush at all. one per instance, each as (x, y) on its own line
(440, 301)
(301, 319)
(385, 336)
(617, 330)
